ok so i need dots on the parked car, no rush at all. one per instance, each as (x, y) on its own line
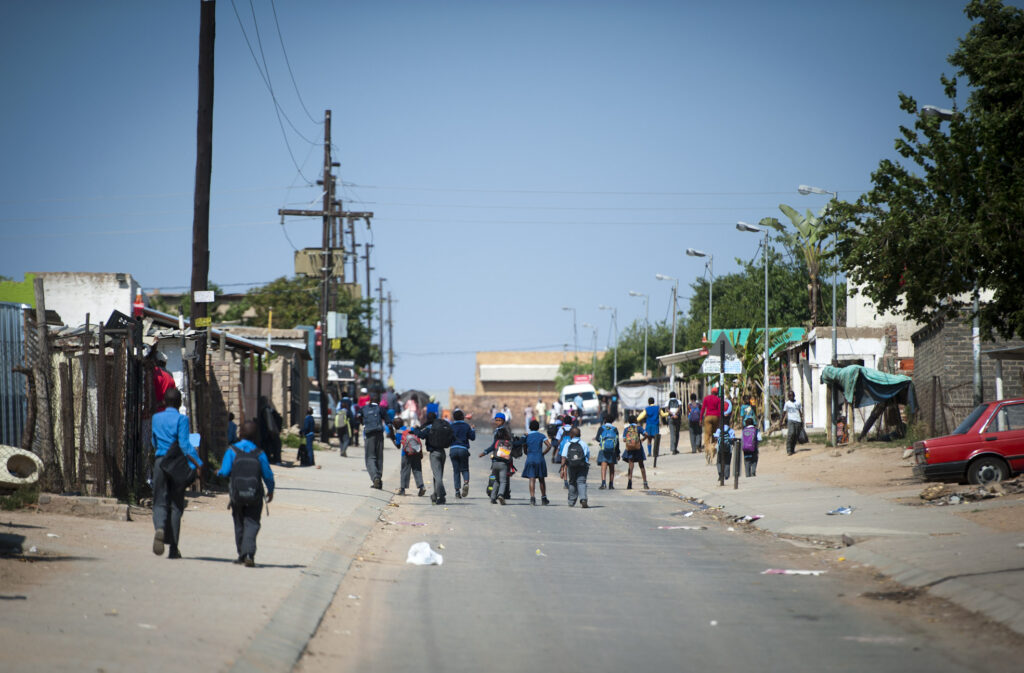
(314, 401)
(591, 407)
(987, 447)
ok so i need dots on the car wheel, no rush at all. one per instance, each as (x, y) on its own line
(987, 470)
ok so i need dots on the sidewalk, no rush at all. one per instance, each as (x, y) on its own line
(94, 597)
(976, 567)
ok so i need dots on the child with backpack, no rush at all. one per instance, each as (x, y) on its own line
(608, 454)
(412, 455)
(459, 453)
(724, 438)
(693, 418)
(248, 469)
(343, 428)
(536, 468)
(751, 443)
(632, 437)
(575, 466)
(438, 435)
(501, 460)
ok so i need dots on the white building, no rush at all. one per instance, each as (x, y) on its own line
(74, 294)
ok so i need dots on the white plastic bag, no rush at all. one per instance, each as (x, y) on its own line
(421, 554)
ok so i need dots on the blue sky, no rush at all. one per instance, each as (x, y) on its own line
(518, 156)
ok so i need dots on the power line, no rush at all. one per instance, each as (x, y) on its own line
(289, 64)
(577, 192)
(588, 208)
(473, 352)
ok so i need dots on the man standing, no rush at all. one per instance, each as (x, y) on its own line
(540, 411)
(794, 421)
(675, 419)
(308, 432)
(170, 435)
(373, 433)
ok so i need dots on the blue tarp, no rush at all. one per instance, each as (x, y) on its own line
(863, 387)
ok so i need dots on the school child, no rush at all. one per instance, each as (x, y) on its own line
(575, 466)
(249, 470)
(459, 453)
(724, 450)
(343, 428)
(751, 443)
(693, 418)
(309, 430)
(561, 437)
(501, 461)
(412, 455)
(608, 454)
(536, 468)
(650, 416)
(633, 439)
(438, 436)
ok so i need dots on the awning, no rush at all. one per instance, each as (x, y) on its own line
(863, 386)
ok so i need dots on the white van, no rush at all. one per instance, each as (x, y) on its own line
(591, 408)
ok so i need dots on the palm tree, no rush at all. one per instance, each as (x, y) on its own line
(809, 238)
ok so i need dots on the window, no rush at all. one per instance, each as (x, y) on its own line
(1009, 417)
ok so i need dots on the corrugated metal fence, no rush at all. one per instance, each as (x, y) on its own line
(13, 398)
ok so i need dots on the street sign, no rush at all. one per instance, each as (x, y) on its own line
(203, 322)
(337, 325)
(581, 378)
(335, 344)
(713, 363)
(202, 296)
(774, 385)
(341, 370)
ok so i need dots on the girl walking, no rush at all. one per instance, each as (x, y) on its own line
(536, 468)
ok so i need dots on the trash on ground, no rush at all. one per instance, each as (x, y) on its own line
(33, 550)
(540, 553)
(440, 546)
(682, 527)
(151, 627)
(353, 597)
(749, 518)
(111, 613)
(841, 510)
(714, 622)
(787, 571)
(731, 529)
(52, 535)
(688, 514)
(406, 523)
(847, 540)
(420, 554)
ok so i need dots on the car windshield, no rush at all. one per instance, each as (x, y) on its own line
(585, 395)
(970, 420)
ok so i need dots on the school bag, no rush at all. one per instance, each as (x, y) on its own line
(750, 439)
(673, 410)
(440, 435)
(341, 419)
(518, 446)
(632, 436)
(503, 449)
(411, 444)
(694, 415)
(246, 485)
(609, 438)
(574, 455)
(372, 418)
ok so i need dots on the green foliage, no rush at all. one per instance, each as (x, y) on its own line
(949, 218)
(570, 368)
(27, 494)
(162, 302)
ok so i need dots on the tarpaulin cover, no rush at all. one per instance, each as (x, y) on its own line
(635, 397)
(863, 387)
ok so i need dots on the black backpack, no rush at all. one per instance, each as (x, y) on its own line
(574, 455)
(246, 486)
(372, 418)
(518, 446)
(440, 435)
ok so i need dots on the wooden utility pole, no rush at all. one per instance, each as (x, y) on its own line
(380, 323)
(201, 213)
(369, 315)
(391, 348)
(329, 213)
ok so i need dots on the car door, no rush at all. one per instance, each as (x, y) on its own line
(1004, 434)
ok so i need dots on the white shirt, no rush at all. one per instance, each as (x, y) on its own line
(793, 411)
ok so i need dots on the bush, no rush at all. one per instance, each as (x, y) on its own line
(21, 497)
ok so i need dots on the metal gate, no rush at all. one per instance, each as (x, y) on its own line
(13, 398)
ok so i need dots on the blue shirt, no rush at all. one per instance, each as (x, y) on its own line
(535, 445)
(246, 446)
(652, 419)
(463, 433)
(308, 425)
(169, 425)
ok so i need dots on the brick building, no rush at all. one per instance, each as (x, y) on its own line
(944, 373)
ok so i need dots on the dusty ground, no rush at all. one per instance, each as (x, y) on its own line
(868, 467)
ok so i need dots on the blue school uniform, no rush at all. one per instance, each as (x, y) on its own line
(535, 466)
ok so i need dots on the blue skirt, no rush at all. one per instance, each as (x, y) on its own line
(535, 469)
(606, 456)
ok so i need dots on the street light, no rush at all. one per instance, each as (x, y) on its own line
(805, 190)
(675, 294)
(711, 283)
(575, 346)
(615, 356)
(647, 306)
(945, 115)
(593, 366)
(743, 226)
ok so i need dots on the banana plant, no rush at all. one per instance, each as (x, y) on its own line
(809, 238)
(751, 354)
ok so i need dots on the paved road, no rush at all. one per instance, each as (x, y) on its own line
(610, 592)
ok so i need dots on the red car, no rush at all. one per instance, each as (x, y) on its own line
(987, 447)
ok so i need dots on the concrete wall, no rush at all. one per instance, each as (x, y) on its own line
(73, 294)
(944, 373)
(524, 358)
(861, 312)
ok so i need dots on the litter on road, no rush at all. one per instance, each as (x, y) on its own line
(780, 571)
(420, 554)
(540, 553)
(682, 527)
(406, 523)
(749, 518)
(841, 510)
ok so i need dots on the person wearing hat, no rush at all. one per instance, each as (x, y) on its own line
(501, 465)
(710, 416)
(434, 407)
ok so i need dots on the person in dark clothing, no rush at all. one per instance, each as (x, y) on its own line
(459, 452)
(412, 463)
(437, 456)
(169, 427)
(270, 431)
(246, 517)
(501, 461)
(373, 433)
(309, 432)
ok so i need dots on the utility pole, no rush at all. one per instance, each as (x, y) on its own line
(352, 247)
(328, 213)
(369, 316)
(380, 322)
(201, 213)
(391, 345)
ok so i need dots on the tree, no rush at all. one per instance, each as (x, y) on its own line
(809, 239)
(948, 221)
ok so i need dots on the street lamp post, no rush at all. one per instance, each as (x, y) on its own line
(743, 226)
(647, 306)
(675, 294)
(593, 364)
(575, 343)
(711, 280)
(944, 114)
(805, 190)
(615, 351)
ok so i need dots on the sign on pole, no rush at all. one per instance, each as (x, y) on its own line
(202, 296)
(337, 325)
(713, 363)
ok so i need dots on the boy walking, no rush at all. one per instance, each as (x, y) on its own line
(751, 443)
(249, 470)
(501, 461)
(575, 466)
(170, 440)
(309, 431)
(412, 456)
(438, 435)
(463, 432)
(608, 455)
